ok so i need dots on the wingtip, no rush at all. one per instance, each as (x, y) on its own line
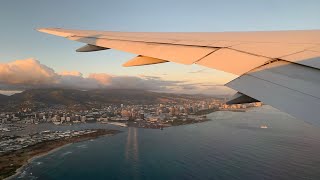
(124, 65)
(54, 31)
(39, 29)
(43, 29)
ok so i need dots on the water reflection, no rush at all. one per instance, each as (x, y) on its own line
(132, 147)
(132, 151)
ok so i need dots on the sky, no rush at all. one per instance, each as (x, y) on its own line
(32, 59)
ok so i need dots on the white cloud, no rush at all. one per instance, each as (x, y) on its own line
(28, 71)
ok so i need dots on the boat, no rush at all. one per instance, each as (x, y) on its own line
(263, 127)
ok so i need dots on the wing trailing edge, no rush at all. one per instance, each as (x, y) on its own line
(289, 87)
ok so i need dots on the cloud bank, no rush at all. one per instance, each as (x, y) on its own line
(30, 73)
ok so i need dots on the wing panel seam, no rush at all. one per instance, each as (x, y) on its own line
(276, 84)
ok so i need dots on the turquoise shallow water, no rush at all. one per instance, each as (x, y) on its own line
(230, 146)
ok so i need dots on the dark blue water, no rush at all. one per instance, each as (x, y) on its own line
(230, 146)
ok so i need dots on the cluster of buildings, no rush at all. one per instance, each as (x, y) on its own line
(13, 143)
(239, 107)
(141, 114)
(145, 116)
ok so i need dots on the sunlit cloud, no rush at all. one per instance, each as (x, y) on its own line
(30, 73)
(70, 73)
(101, 78)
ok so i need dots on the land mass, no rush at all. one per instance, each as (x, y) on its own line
(78, 99)
(11, 162)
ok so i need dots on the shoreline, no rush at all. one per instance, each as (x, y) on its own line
(19, 170)
(43, 149)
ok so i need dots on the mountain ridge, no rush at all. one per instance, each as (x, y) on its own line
(43, 98)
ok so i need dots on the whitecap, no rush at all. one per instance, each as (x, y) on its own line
(83, 146)
(23, 174)
(66, 153)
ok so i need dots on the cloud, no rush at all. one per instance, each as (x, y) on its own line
(199, 88)
(102, 78)
(77, 82)
(149, 77)
(70, 73)
(132, 82)
(30, 73)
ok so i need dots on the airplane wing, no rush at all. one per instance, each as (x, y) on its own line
(280, 68)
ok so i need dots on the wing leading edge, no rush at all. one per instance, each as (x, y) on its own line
(280, 68)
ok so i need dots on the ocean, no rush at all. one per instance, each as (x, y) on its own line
(232, 145)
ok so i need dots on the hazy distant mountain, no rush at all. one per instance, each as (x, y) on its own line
(41, 98)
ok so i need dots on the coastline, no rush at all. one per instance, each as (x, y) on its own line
(19, 170)
(46, 148)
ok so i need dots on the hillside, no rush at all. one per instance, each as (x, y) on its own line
(42, 98)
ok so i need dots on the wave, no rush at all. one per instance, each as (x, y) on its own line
(66, 153)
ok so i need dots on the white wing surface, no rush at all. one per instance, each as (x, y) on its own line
(280, 68)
